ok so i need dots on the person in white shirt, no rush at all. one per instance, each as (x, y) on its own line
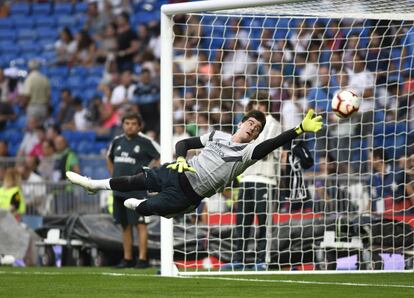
(257, 189)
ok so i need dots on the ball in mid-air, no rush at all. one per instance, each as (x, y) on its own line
(345, 103)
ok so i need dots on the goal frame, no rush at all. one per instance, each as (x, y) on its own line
(168, 267)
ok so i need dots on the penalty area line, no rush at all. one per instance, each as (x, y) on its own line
(305, 282)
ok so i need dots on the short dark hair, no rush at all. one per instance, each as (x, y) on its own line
(132, 115)
(259, 116)
(379, 153)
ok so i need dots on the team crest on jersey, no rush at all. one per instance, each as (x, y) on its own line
(118, 148)
(136, 149)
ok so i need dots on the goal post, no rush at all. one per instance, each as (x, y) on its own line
(218, 57)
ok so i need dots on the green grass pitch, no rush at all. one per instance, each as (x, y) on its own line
(106, 282)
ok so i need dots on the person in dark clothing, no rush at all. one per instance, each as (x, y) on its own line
(127, 154)
(128, 44)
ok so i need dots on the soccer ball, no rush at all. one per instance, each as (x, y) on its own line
(345, 103)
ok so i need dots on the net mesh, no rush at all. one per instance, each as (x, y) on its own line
(353, 208)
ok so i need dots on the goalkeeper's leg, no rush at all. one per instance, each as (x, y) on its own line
(123, 183)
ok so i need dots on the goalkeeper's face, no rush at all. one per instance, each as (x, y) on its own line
(248, 131)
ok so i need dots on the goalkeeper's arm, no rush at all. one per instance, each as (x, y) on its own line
(181, 149)
(183, 146)
(309, 124)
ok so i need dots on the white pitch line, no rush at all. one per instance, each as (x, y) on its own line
(212, 278)
(307, 282)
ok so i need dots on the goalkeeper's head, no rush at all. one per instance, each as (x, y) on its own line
(251, 126)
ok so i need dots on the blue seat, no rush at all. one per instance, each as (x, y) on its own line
(93, 82)
(75, 82)
(67, 21)
(47, 33)
(58, 71)
(8, 34)
(41, 21)
(81, 7)
(22, 22)
(79, 71)
(46, 44)
(20, 9)
(41, 8)
(63, 9)
(29, 47)
(5, 23)
(9, 47)
(49, 56)
(101, 172)
(26, 34)
(95, 71)
(84, 147)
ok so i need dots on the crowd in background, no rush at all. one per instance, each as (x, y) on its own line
(213, 85)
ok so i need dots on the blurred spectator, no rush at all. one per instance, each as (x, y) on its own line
(277, 92)
(66, 108)
(237, 60)
(336, 37)
(4, 86)
(377, 57)
(36, 92)
(85, 54)
(37, 149)
(96, 21)
(30, 138)
(52, 132)
(154, 44)
(128, 43)
(6, 113)
(300, 39)
(407, 167)
(292, 110)
(387, 185)
(350, 50)
(65, 46)
(179, 133)
(147, 97)
(66, 159)
(4, 151)
(11, 195)
(47, 160)
(361, 79)
(34, 190)
(108, 45)
(80, 120)
(123, 94)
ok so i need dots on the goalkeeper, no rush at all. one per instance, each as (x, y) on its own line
(180, 185)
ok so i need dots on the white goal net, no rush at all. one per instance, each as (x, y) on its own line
(353, 207)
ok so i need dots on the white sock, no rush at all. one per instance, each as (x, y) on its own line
(101, 184)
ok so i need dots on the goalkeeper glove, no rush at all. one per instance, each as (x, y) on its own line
(181, 165)
(309, 124)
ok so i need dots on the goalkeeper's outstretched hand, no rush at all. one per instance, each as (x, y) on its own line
(181, 165)
(309, 124)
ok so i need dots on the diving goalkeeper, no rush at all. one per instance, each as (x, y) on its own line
(180, 185)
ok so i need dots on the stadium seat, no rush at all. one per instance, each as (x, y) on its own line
(63, 9)
(47, 44)
(58, 71)
(95, 71)
(81, 7)
(6, 24)
(29, 47)
(22, 22)
(26, 34)
(20, 9)
(41, 8)
(67, 21)
(79, 71)
(41, 21)
(7, 34)
(76, 82)
(47, 33)
(93, 82)
(8, 47)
